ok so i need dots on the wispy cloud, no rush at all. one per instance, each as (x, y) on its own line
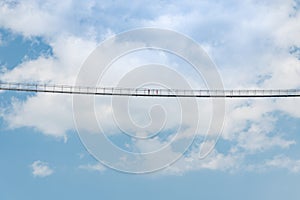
(93, 167)
(281, 162)
(284, 162)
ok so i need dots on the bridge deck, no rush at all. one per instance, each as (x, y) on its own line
(149, 92)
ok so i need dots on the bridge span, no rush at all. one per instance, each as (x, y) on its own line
(149, 92)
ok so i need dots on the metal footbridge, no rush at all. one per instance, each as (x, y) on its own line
(148, 92)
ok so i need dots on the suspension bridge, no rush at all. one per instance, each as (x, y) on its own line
(148, 92)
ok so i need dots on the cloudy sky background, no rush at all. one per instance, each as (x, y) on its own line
(255, 44)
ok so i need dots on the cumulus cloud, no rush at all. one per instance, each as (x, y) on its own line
(50, 114)
(44, 113)
(257, 140)
(249, 41)
(41, 169)
(18, 14)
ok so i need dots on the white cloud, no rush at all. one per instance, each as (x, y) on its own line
(256, 140)
(93, 167)
(215, 161)
(50, 114)
(249, 41)
(277, 162)
(41, 169)
(241, 42)
(69, 54)
(284, 162)
(44, 19)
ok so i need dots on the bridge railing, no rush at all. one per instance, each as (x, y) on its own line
(33, 87)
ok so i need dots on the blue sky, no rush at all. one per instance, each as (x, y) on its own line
(254, 44)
